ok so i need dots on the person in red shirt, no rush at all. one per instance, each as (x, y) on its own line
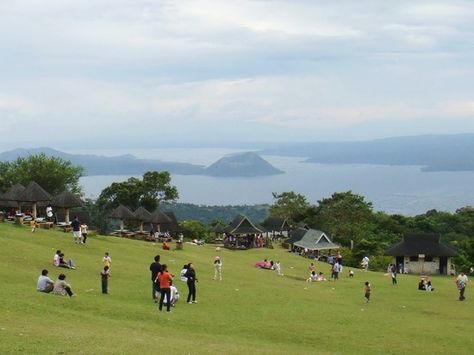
(164, 278)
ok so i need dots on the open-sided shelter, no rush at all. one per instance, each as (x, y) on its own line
(33, 193)
(423, 254)
(66, 200)
(11, 197)
(242, 232)
(122, 213)
(276, 226)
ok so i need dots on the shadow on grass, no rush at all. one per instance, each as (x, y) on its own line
(297, 278)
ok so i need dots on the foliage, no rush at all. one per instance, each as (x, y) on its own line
(51, 173)
(207, 214)
(194, 229)
(290, 205)
(133, 193)
(345, 216)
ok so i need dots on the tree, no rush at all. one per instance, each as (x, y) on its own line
(345, 216)
(194, 229)
(148, 192)
(51, 173)
(290, 205)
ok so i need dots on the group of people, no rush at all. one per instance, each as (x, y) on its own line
(58, 287)
(60, 261)
(163, 286)
(79, 231)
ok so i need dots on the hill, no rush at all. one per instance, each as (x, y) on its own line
(250, 311)
(432, 152)
(242, 164)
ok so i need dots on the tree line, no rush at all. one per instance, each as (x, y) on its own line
(344, 216)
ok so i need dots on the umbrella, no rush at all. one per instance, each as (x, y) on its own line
(142, 215)
(66, 200)
(160, 218)
(122, 213)
(34, 193)
(11, 198)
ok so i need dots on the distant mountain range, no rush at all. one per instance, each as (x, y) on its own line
(432, 152)
(242, 164)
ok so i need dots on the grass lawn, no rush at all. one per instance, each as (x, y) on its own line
(251, 311)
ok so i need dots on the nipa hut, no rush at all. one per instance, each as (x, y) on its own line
(423, 254)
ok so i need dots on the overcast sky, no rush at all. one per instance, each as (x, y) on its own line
(135, 71)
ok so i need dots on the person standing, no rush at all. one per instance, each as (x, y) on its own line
(155, 268)
(191, 282)
(76, 230)
(336, 269)
(45, 284)
(104, 275)
(106, 260)
(365, 263)
(367, 291)
(165, 278)
(393, 274)
(49, 213)
(217, 268)
(461, 282)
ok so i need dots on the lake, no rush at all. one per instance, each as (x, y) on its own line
(394, 189)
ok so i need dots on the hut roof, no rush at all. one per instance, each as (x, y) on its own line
(13, 193)
(243, 225)
(296, 235)
(316, 240)
(66, 199)
(416, 244)
(276, 224)
(219, 228)
(122, 212)
(159, 217)
(142, 214)
(34, 193)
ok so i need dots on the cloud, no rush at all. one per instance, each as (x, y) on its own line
(177, 67)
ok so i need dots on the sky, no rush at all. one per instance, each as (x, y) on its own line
(131, 73)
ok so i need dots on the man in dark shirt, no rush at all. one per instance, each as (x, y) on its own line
(76, 230)
(155, 268)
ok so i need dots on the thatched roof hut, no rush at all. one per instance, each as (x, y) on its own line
(66, 200)
(34, 193)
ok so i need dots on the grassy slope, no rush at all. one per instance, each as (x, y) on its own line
(252, 311)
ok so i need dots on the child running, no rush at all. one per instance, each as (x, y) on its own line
(367, 291)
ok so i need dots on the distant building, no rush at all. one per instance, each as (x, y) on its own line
(311, 243)
(423, 254)
(276, 226)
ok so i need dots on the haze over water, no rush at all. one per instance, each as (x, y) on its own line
(394, 189)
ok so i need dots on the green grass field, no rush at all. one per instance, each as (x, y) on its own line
(251, 311)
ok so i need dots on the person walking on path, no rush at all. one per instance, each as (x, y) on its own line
(217, 268)
(165, 278)
(76, 230)
(104, 275)
(155, 268)
(461, 282)
(367, 291)
(191, 281)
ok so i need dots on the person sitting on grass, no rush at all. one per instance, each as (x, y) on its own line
(62, 288)
(313, 277)
(165, 246)
(45, 284)
(66, 264)
(321, 277)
